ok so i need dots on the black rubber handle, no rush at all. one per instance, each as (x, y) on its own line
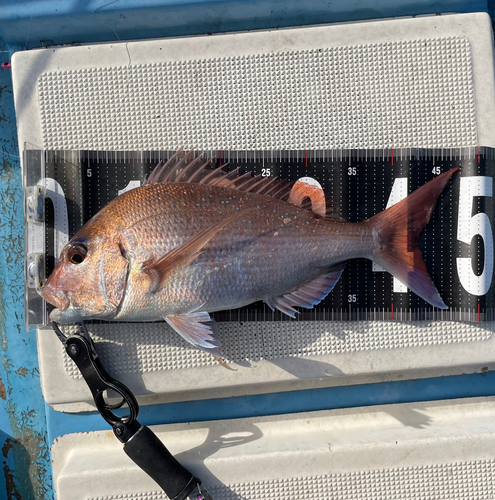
(149, 453)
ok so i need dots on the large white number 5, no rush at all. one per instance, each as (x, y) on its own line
(471, 225)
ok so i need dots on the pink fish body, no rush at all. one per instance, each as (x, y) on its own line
(193, 241)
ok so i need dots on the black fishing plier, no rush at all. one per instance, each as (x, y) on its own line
(140, 442)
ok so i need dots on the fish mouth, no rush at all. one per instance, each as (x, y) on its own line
(56, 298)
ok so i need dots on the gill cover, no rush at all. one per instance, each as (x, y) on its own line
(113, 277)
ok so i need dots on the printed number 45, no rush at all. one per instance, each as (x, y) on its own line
(471, 225)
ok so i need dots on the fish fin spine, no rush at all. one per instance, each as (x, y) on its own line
(185, 168)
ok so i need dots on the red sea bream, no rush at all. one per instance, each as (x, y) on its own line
(193, 240)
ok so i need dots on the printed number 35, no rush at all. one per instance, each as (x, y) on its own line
(470, 226)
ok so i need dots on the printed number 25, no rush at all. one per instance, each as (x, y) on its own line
(470, 226)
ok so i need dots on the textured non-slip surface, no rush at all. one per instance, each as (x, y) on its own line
(397, 94)
(471, 480)
(417, 451)
(143, 348)
(451, 481)
(400, 83)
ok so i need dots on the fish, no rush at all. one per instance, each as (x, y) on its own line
(194, 239)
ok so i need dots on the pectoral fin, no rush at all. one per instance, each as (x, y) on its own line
(183, 255)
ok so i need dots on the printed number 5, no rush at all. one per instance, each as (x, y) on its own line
(471, 225)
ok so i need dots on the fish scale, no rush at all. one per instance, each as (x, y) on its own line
(231, 261)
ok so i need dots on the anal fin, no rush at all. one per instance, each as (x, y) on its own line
(309, 294)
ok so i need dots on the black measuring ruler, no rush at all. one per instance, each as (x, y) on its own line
(457, 244)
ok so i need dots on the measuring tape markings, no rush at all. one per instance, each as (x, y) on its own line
(462, 218)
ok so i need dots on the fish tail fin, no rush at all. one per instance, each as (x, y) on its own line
(398, 229)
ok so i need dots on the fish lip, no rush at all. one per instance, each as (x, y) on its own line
(56, 298)
(56, 315)
(66, 316)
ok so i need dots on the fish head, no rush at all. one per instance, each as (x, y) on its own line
(88, 281)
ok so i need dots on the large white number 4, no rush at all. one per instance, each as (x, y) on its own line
(398, 193)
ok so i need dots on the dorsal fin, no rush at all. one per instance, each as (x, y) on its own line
(183, 167)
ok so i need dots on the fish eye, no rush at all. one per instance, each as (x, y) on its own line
(77, 253)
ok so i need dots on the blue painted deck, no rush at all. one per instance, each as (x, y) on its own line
(23, 437)
(27, 425)
(461, 386)
(34, 23)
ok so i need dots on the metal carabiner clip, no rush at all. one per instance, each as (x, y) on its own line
(81, 350)
(140, 442)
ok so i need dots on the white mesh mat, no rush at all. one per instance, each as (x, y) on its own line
(144, 348)
(418, 451)
(425, 82)
(453, 481)
(466, 480)
(396, 94)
